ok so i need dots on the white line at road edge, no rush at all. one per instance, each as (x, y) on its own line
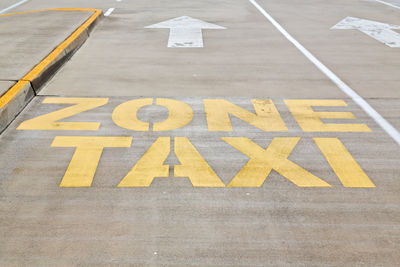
(388, 4)
(109, 11)
(13, 6)
(344, 87)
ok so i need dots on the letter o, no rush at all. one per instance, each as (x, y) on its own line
(179, 114)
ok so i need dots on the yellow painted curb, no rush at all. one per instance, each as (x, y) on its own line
(15, 89)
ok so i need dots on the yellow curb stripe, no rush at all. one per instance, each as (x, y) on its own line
(15, 89)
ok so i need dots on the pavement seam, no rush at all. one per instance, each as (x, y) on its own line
(46, 68)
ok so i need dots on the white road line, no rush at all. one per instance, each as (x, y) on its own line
(384, 124)
(109, 11)
(13, 6)
(388, 4)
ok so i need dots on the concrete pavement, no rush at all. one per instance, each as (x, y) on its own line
(23, 44)
(173, 223)
(232, 59)
(240, 153)
(30, 58)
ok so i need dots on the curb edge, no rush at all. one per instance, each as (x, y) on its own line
(15, 99)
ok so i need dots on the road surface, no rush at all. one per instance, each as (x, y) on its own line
(205, 133)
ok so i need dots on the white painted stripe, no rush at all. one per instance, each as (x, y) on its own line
(390, 130)
(109, 11)
(388, 4)
(13, 6)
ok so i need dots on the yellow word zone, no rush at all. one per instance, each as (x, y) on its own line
(218, 113)
(88, 151)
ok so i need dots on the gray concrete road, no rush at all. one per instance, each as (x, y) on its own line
(240, 153)
(28, 38)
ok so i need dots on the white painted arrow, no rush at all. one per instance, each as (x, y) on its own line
(377, 30)
(185, 31)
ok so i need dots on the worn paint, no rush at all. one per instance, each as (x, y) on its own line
(266, 118)
(381, 32)
(50, 121)
(342, 163)
(185, 31)
(193, 165)
(150, 165)
(263, 161)
(179, 114)
(310, 120)
(87, 155)
(125, 115)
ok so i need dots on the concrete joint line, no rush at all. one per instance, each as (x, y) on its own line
(33, 89)
(22, 92)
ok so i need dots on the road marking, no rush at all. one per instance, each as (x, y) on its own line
(218, 114)
(384, 124)
(388, 4)
(109, 11)
(343, 164)
(185, 31)
(50, 121)
(267, 117)
(310, 120)
(263, 161)
(381, 32)
(193, 165)
(125, 114)
(85, 160)
(150, 165)
(13, 6)
(180, 114)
